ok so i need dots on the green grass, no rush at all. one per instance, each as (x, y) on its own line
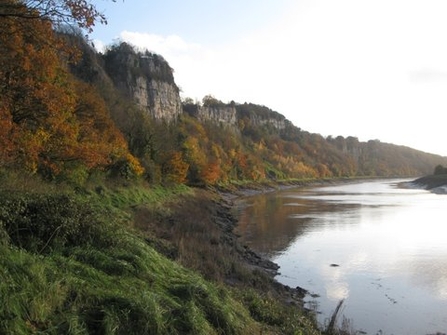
(126, 289)
(124, 197)
(70, 264)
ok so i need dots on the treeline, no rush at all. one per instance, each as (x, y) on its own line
(62, 117)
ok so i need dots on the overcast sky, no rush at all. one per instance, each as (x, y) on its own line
(373, 69)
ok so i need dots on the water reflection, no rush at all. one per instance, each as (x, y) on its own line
(267, 224)
(388, 244)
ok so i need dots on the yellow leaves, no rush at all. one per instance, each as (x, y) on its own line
(175, 168)
(30, 144)
(193, 151)
(134, 164)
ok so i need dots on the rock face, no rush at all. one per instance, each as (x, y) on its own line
(147, 79)
(261, 116)
(278, 124)
(225, 115)
(161, 99)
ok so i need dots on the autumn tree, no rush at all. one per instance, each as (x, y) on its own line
(81, 13)
(175, 169)
(50, 121)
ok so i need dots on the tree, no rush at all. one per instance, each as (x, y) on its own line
(175, 168)
(81, 13)
(50, 122)
(211, 101)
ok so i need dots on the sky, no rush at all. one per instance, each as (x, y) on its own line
(372, 69)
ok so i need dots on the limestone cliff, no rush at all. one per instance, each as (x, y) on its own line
(222, 114)
(147, 79)
(230, 114)
(261, 116)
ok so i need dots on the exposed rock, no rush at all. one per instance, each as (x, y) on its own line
(147, 79)
(225, 114)
(261, 116)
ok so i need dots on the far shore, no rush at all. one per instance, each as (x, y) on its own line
(249, 189)
(433, 183)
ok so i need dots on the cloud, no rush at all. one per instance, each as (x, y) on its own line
(229, 72)
(170, 45)
(428, 76)
(99, 45)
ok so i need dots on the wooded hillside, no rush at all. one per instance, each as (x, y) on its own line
(67, 113)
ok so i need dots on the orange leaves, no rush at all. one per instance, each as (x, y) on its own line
(98, 140)
(50, 122)
(211, 173)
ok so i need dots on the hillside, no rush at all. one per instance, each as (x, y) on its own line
(122, 113)
(132, 260)
(223, 142)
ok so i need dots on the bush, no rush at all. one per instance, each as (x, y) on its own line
(43, 223)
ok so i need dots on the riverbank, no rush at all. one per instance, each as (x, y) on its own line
(198, 232)
(134, 260)
(434, 183)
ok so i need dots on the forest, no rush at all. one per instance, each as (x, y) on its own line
(106, 226)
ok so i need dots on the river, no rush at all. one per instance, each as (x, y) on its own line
(380, 247)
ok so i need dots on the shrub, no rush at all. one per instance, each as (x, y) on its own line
(42, 223)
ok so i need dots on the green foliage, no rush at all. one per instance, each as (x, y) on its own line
(99, 277)
(269, 311)
(250, 111)
(45, 223)
(211, 101)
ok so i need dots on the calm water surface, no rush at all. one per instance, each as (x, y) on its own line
(381, 248)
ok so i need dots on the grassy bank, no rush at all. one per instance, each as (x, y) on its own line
(132, 260)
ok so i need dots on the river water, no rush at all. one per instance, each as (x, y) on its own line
(380, 247)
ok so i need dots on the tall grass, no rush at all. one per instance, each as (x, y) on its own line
(129, 289)
(70, 265)
(114, 283)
